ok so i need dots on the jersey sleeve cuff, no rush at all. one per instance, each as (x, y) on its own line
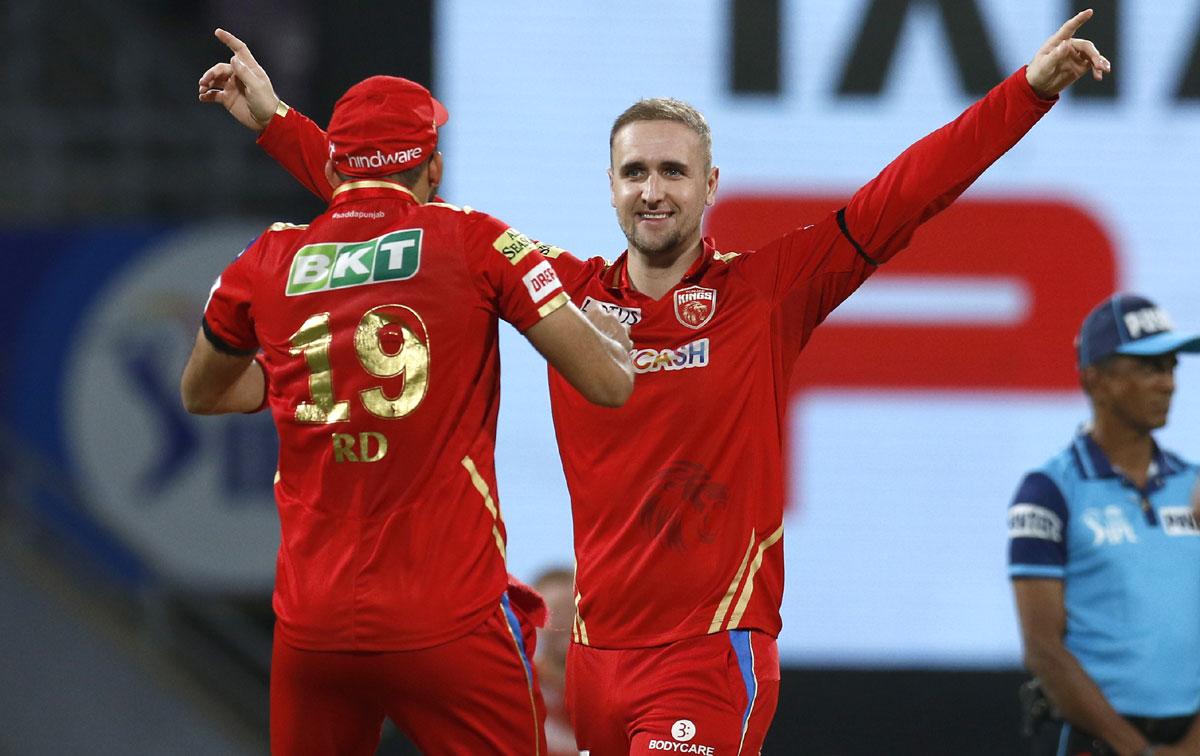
(268, 132)
(1026, 89)
(557, 301)
(221, 345)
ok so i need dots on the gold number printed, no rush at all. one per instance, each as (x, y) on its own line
(412, 361)
(312, 340)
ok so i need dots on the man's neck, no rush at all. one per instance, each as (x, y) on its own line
(1129, 449)
(655, 275)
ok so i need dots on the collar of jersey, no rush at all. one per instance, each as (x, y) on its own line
(1094, 463)
(365, 188)
(617, 276)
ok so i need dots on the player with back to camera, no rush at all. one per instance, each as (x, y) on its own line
(375, 330)
(678, 497)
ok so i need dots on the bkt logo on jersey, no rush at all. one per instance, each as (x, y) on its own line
(691, 355)
(629, 316)
(695, 305)
(336, 265)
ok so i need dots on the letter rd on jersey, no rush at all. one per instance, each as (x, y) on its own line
(319, 267)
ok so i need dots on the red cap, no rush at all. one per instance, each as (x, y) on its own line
(384, 125)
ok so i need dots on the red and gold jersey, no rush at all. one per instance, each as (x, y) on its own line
(378, 330)
(678, 496)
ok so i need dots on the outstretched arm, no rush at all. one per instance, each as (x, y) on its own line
(835, 256)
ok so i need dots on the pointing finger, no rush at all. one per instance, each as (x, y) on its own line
(237, 46)
(1067, 30)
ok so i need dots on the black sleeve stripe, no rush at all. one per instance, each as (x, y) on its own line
(221, 345)
(841, 217)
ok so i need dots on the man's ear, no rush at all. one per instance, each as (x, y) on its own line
(435, 172)
(331, 175)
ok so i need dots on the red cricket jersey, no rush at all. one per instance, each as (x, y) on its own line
(378, 327)
(678, 496)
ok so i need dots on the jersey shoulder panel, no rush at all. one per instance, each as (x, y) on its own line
(1037, 527)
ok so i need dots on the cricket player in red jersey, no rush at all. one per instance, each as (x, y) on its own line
(678, 496)
(375, 328)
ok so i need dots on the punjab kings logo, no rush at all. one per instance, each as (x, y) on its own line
(695, 305)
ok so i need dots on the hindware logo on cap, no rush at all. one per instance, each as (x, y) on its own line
(384, 125)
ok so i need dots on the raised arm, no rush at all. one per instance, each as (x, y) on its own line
(929, 175)
(810, 271)
(1043, 616)
(243, 88)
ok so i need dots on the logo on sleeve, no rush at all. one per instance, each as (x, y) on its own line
(514, 245)
(336, 265)
(629, 316)
(1178, 521)
(695, 305)
(1032, 521)
(541, 281)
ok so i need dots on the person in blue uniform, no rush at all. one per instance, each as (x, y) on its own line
(1104, 555)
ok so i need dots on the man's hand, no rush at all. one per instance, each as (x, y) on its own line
(241, 85)
(1063, 60)
(608, 324)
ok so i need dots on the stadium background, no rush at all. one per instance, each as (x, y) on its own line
(138, 543)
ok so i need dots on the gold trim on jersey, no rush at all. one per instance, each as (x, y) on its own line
(559, 300)
(748, 589)
(723, 607)
(579, 630)
(372, 184)
(465, 209)
(281, 226)
(521, 659)
(482, 487)
(281, 109)
(278, 478)
(725, 256)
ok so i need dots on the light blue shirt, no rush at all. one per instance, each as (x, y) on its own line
(1129, 560)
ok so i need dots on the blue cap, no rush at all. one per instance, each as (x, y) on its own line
(1129, 324)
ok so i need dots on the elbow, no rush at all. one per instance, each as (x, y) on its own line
(195, 405)
(195, 402)
(1040, 657)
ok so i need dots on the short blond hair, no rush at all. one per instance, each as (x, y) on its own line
(666, 109)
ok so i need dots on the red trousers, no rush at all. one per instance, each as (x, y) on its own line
(474, 695)
(714, 695)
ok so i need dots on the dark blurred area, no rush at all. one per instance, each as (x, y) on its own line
(99, 105)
